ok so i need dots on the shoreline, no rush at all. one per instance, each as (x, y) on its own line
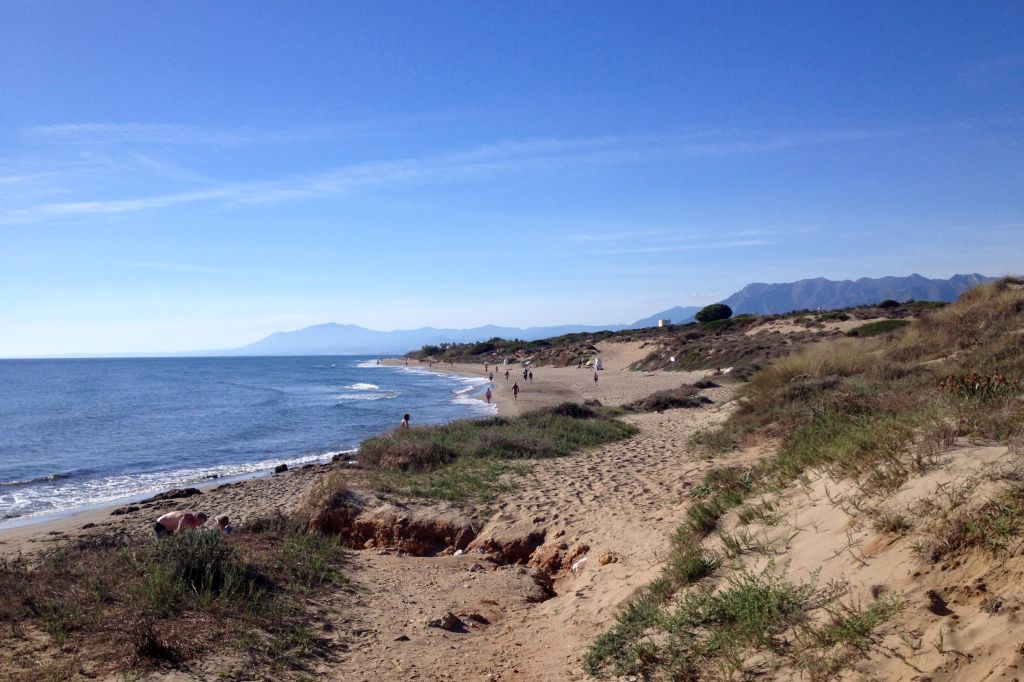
(15, 531)
(269, 493)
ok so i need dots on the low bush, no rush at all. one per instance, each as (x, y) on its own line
(546, 433)
(684, 396)
(876, 328)
(133, 605)
(467, 459)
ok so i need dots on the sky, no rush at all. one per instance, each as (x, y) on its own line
(182, 176)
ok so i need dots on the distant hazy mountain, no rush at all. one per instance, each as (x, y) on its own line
(349, 339)
(678, 315)
(763, 299)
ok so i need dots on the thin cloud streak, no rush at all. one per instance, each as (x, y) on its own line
(470, 165)
(670, 248)
(84, 134)
(178, 267)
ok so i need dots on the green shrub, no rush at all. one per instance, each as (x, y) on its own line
(546, 433)
(715, 311)
(684, 396)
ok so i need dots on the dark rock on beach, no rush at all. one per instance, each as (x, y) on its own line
(173, 494)
(280, 468)
(120, 511)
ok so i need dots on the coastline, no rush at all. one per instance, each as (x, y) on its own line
(266, 493)
(219, 496)
(617, 503)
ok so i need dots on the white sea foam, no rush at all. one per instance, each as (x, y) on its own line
(366, 395)
(27, 503)
(362, 387)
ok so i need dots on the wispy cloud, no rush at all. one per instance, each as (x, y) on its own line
(478, 163)
(994, 70)
(178, 267)
(679, 248)
(667, 241)
(183, 134)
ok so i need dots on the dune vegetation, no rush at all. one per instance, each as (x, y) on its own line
(113, 603)
(466, 459)
(875, 410)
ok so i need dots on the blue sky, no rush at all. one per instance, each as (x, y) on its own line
(179, 176)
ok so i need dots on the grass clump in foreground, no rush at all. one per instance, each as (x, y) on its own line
(754, 617)
(872, 409)
(466, 459)
(121, 605)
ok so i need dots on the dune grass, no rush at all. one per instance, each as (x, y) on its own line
(467, 459)
(124, 605)
(877, 328)
(874, 408)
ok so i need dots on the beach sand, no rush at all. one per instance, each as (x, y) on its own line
(277, 493)
(622, 500)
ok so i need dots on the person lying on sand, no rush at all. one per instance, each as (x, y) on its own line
(176, 521)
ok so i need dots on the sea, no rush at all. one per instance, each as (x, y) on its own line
(79, 434)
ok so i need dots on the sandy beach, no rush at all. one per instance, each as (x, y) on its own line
(620, 502)
(279, 492)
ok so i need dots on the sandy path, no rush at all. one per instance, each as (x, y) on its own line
(623, 499)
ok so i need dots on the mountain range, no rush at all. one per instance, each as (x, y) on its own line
(757, 298)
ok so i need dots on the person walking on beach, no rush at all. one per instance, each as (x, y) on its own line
(177, 521)
(515, 391)
(531, 377)
(488, 396)
(595, 377)
(404, 424)
(490, 377)
(506, 375)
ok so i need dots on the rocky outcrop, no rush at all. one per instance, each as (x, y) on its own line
(512, 542)
(557, 557)
(421, 531)
(173, 494)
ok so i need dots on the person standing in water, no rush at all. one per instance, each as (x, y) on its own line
(515, 391)
(488, 396)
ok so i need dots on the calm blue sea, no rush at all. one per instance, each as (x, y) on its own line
(80, 433)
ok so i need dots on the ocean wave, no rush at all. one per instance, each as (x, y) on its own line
(362, 387)
(365, 395)
(477, 403)
(33, 481)
(64, 497)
